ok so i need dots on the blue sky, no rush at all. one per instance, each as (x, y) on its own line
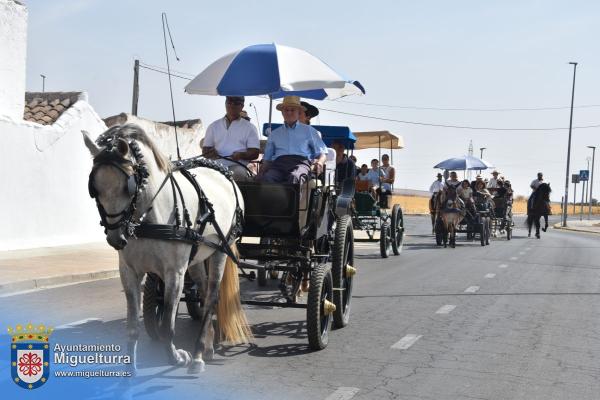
(460, 54)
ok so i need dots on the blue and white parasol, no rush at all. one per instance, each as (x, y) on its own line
(274, 70)
(464, 163)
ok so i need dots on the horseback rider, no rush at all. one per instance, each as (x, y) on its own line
(537, 182)
(437, 185)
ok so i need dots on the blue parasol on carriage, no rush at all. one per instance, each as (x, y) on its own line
(273, 70)
(464, 163)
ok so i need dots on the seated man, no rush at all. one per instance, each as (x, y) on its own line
(233, 137)
(293, 149)
(345, 167)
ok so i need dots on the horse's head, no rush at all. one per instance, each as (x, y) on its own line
(117, 178)
(545, 190)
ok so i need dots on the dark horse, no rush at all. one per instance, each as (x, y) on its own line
(538, 206)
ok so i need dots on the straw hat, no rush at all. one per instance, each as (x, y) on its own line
(290, 101)
(495, 172)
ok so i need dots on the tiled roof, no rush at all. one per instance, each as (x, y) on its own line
(45, 108)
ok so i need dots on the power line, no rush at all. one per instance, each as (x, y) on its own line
(466, 109)
(165, 73)
(455, 126)
(165, 69)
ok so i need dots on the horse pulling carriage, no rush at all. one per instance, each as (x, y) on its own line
(367, 213)
(451, 215)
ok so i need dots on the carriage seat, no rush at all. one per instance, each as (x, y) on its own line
(365, 204)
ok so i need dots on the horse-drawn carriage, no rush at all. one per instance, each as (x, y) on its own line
(451, 215)
(501, 218)
(367, 213)
(305, 233)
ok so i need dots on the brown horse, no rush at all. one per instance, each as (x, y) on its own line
(450, 210)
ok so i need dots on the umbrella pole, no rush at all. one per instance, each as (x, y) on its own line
(270, 112)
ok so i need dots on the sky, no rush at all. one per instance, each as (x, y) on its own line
(409, 55)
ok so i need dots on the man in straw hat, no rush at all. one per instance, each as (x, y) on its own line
(293, 149)
(493, 182)
(232, 137)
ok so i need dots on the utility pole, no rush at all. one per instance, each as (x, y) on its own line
(591, 180)
(581, 205)
(43, 82)
(136, 88)
(564, 224)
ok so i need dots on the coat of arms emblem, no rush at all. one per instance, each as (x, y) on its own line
(30, 355)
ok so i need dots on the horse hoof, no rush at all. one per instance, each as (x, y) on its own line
(529, 235)
(545, 228)
(182, 358)
(196, 367)
(208, 354)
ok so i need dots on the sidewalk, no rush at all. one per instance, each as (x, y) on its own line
(591, 226)
(22, 270)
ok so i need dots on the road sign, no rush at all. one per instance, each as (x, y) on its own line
(584, 175)
(575, 178)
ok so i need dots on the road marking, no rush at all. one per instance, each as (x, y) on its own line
(490, 276)
(343, 393)
(527, 248)
(521, 252)
(406, 341)
(447, 309)
(514, 258)
(502, 266)
(80, 322)
(472, 289)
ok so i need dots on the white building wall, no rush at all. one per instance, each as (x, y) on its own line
(13, 52)
(43, 174)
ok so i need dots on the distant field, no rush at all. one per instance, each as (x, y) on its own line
(420, 205)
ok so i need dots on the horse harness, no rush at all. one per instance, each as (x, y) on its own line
(180, 231)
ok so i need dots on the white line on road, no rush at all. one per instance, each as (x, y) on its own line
(514, 258)
(502, 266)
(80, 322)
(527, 248)
(472, 289)
(406, 341)
(343, 393)
(447, 309)
(521, 252)
(490, 276)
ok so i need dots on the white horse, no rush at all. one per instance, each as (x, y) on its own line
(129, 169)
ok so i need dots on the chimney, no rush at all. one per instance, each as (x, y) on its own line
(13, 48)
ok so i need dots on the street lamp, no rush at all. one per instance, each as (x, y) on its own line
(43, 82)
(591, 180)
(564, 222)
(481, 149)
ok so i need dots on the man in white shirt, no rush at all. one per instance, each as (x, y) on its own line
(493, 182)
(437, 185)
(232, 139)
(537, 182)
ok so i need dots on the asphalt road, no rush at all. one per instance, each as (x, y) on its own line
(513, 320)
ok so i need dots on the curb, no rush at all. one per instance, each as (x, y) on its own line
(60, 280)
(581, 230)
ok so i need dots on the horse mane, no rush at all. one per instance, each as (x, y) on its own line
(135, 132)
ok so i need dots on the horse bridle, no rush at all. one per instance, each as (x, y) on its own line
(136, 182)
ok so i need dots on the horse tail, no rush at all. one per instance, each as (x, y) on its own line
(232, 321)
